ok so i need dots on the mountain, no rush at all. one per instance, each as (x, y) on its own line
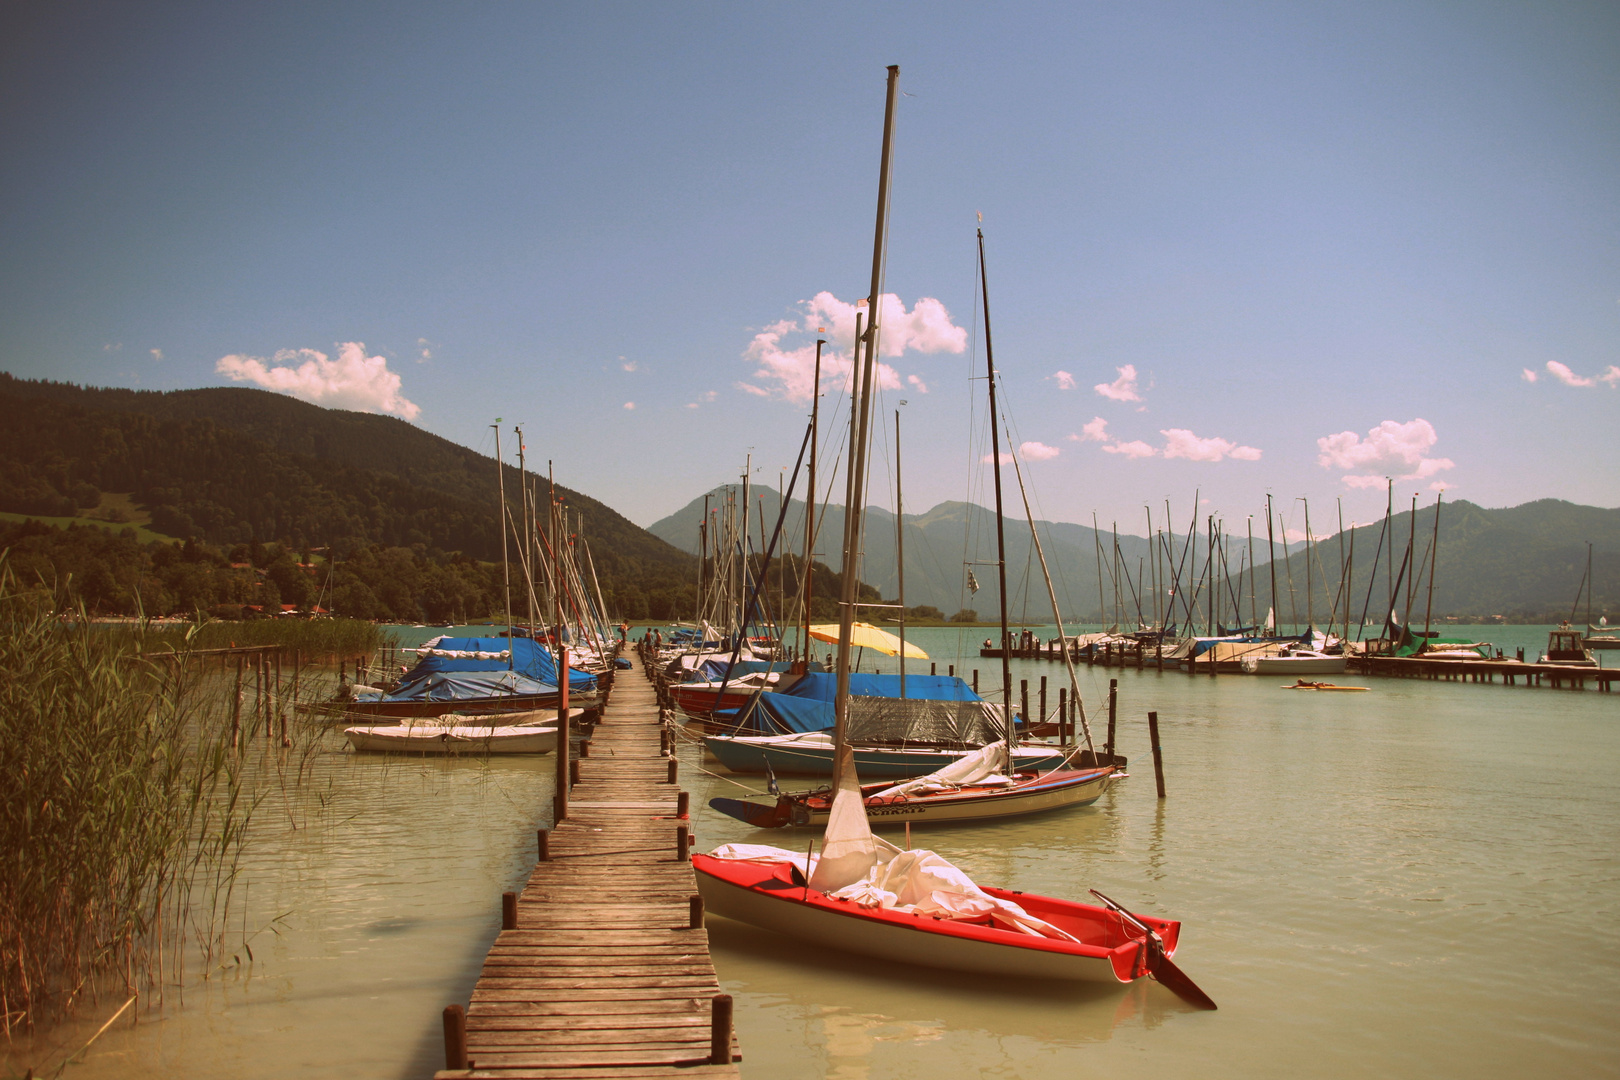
(234, 465)
(1524, 562)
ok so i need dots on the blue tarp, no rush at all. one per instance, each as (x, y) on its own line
(714, 669)
(807, 705)
(531, 666)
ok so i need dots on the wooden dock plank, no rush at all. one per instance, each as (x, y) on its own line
(603, 976)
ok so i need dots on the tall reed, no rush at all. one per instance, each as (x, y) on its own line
(122, 815)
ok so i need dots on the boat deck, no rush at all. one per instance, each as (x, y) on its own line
(601, 972)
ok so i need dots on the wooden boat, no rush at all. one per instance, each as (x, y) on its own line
(811, 754)
(987, 799)
(434, 737)
(1601, 637)
(1097, 944)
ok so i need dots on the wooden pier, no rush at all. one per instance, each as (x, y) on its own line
(1509, 671)
(603, 967)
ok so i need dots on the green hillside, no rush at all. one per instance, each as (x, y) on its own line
(231, 466)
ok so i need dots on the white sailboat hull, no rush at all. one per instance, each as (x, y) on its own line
(471, 740)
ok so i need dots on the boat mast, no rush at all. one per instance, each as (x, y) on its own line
(900, 551)
(1271, 553)
(810, 504)
(506, 566)
(844, 756)
(1434, 559)
(1254, 597)
(1001, 532)
(1310, 582)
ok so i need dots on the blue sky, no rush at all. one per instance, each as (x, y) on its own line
(1329, 241)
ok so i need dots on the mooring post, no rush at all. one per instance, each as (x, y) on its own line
(952, 670)
(573, 772)
(681, 833)
(509, 911)
(1063, 715)
(1023, 699)
(975, 680)
(720, 1030)
(933, 669)
(236, 707)
(1158, 758)
(683, 804)
(1043, 699)
(1113, 702)
(455, 1037)
(544, 845)
(694, 912)
(674, 765)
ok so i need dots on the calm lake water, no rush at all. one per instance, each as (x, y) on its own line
(1417, 881)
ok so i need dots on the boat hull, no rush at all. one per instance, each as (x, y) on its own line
(923, 941)
(1294, 665)
(1057, 790)
(743, 756)
(470, 741)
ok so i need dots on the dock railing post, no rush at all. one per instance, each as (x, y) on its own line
(544, 854)
(720, 1030)
(694, 912)
(509, 911)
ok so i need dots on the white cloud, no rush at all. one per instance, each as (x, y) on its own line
(1064, 380)
(1095, 431)
(1181, 443)
(1135, 449)
(1611, 375)
(1390, 450)
(1563, 374)
(1529, 376)
(629, 406)
(629, 365)
(112, 346)
(1122, 388)
(1034, 451)
(917, 383)
(157, 354)
(426, 352)
(352, 381)
(787, 373)
(691, 404)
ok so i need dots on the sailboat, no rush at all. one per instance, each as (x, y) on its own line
(867, 896)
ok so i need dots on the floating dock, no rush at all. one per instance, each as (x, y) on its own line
(602, 968)
(1511, 672)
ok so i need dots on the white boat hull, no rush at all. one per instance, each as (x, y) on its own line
(1294, 665)
(1030, 799)
(900, 943)
(468, 740)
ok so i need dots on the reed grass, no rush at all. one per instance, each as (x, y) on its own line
(123, 816)
(315, 639)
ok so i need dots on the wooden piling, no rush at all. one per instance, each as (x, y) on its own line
(720, 1030)
(1023, 699)
(455, 1037)
(1158, 759)
(1043, 699)
(544, 853)
(1063, 715)
(694, 912)
(509, 911)
(1113, 705)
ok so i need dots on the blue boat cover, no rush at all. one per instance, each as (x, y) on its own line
(714, 668)
(807, 705)
(465, 674)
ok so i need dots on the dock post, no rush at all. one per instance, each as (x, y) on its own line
(682, 833)
(952, 670)
(1023, 699)
(544, 846)
(694, 912)
(455, 1037)
(683, 804)
(509, 911)
(674, 764)
(720, 1030)
(933, 669)
(236, 707)
(1113, 702)
(1043, 698)
(573, 772)
(1158, 760)
(1063, 715)
(975, 680)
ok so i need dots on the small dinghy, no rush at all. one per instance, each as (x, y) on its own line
(508, 733)
(1304, 685)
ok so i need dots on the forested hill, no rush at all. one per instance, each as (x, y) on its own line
(232, 465)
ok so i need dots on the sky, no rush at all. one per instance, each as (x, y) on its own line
(1233, 249)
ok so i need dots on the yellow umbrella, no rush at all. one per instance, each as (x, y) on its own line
(866, 636)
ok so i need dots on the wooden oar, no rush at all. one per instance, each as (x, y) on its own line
(1160, 966)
